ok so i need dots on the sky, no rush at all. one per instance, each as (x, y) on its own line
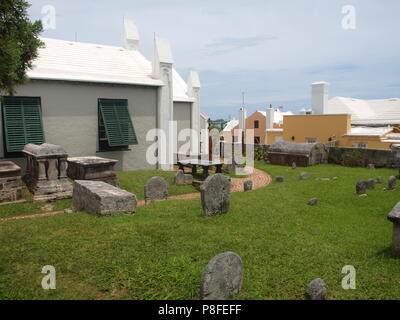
(272, 50)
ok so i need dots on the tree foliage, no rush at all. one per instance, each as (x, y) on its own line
(19, 44)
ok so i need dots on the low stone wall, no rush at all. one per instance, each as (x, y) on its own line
(357, 157)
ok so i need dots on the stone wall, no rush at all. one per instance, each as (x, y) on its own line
(357, 157)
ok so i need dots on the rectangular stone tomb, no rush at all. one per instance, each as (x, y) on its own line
(10, 183)
(100, 198)
(92, 168)
(46, 172)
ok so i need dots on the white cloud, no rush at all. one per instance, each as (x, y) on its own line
(272, 50)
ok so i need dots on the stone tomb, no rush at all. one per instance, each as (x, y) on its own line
(10, 183)
(102, 199)
(92, 168)
(46, 172)
(215, 195)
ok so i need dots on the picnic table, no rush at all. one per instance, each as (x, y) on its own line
(205, 164)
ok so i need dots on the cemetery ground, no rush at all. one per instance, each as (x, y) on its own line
(160, 251)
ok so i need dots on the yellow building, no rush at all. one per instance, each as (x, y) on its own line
(334, 128)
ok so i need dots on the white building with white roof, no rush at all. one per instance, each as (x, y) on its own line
(102, 100)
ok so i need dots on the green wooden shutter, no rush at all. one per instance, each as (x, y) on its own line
(22, 122)
(117, 122)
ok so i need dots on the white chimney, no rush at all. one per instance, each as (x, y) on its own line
(270, 118)
(131, 35)
(242, 118)
(193, 91)
(319, 97)
(162, 70)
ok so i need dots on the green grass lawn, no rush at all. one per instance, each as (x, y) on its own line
(132, 181)
(161, 251)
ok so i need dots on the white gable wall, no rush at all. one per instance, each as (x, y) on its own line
(70, 118)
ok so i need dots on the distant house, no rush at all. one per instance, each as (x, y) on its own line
(347, 122)
(259, 121)
(101, 100)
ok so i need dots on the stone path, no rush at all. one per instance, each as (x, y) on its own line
(260, 179)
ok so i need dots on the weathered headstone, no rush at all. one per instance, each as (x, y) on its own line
(371, 166)
(100, 198)
(361, 187)
(304, 176)
(394, 217)
(279, 179)
(392, 183)
(371, 184)
(155, 189)
(294, 165)
(317, 290)
(215, 195)
(222, 277)
(10, 182)
(312, 201)
(248, 185)
(183, 179)
(379, 180)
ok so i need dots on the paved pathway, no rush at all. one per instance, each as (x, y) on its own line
(260, 179)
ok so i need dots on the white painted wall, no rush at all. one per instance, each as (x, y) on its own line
(70, 118)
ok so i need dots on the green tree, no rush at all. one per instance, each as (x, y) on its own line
(19, 44)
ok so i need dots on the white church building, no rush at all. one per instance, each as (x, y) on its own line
(103, 100)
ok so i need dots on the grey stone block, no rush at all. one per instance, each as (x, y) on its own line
(222, 277)
(182, 179)
(317, 290)
(361, 187)
(100, 198)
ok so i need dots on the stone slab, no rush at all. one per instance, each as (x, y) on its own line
(100, 198)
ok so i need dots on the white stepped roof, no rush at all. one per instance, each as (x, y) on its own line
(87, 62)
(369, 131)
(278, 115)
(231, 124)
(367, 112)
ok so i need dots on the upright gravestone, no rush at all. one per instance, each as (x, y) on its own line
(215, 195)
(279, 179)
(371, 184)
(371, 166)
(222, 277)
(183, 179)
(248, 185)
(394, 217)
(379, 180)
(361, 187)
(294, 165)
(317, 290)
(392, 183)
(312, 201)
(155, 189)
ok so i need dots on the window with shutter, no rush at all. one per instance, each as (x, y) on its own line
(22, 122)
(116, 130)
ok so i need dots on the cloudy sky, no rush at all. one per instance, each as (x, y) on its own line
(270, 49)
